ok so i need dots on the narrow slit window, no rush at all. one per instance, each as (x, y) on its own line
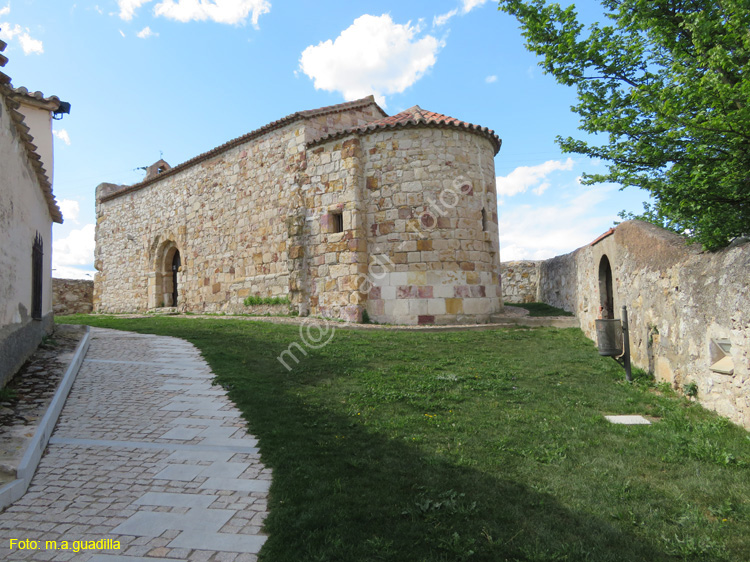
(336, 223)
(484, 220)
(37, 270)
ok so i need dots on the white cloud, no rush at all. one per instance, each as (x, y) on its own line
(541, 188)
(491, 79)
(30, 45)
(129, 7)
(221, 11)
(70, 209)
(5, 11)
(9, 31)
(373, 56)
(469, 5)
(146, 32)
(121, 32)
(524, 177)
(537, 233)
(76, 249)
(67, 272)
(442, 19)
(466, 7)
(63, 135)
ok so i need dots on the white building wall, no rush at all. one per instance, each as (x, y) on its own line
(24, 212)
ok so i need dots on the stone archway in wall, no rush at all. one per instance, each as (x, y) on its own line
(165, 279)
(606, 289)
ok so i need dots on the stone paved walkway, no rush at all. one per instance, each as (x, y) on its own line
(147, 453)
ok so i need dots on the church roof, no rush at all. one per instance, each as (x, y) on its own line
(416, 117)
(284, 121)
(11, 96)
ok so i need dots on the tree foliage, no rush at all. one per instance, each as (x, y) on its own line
(668, 83)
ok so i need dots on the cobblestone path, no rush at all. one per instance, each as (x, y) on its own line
(147, 453)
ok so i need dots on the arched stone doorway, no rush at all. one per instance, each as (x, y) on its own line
(606, 291)
(164, 282)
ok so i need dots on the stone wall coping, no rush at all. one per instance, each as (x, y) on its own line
(265, 129)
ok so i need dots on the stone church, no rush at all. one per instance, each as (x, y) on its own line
(341, 209)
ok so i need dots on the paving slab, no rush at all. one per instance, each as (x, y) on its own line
(158, 462)
(628, 420)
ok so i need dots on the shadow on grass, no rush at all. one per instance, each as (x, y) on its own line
(342, 492)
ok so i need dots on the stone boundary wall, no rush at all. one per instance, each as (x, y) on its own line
(520, 281)
(72, 296)
(689, 311)
(558, 282)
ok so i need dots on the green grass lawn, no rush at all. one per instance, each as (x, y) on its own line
(489, 446)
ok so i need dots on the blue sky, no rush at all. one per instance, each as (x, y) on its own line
(176, 78)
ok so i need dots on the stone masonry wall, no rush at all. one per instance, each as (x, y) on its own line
(401, 223)
(681, 304)
(226, 216)
(432, 213)
(336, 262)
(72, 296)
(403, 255)
(229, 216)
(558, 283)
(520, 280)
(680, 301)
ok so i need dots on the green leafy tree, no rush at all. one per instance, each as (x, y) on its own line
(668, 83)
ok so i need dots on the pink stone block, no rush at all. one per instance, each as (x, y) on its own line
(478, 291)
(351, 313)
(427, 220)
(425, 319)
(462, 291)
(377, 307)
(374, 293)
(407, 292)
(444, 222)
(404, 213)
(424, 292)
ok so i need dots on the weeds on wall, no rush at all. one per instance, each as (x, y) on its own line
(253, 300)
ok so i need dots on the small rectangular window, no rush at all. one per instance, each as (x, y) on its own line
(335, 222)
(721, 358)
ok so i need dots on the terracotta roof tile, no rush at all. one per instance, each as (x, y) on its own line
(38, 97)
(603, 236)
(416, 116)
